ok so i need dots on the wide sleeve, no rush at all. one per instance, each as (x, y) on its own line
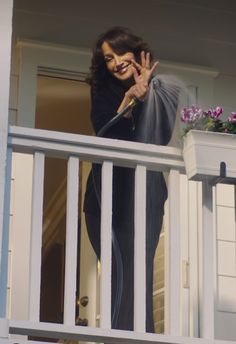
(157, 120)
(103, 108)
(104, 105)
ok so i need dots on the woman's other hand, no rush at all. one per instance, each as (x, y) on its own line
(138, 90)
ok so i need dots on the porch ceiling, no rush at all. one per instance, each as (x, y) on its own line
(200, 32)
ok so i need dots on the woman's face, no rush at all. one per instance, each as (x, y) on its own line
(118, 65)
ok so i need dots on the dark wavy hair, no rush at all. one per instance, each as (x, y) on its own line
(121, 40)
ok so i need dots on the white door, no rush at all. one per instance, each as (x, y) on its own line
(52, 95)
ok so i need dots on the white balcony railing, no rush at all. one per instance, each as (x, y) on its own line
(108, 152)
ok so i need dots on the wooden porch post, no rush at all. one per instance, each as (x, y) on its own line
(207, 269)
(172, 257)
(6, 10)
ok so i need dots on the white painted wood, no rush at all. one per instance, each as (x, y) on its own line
(6, 10)
(225, 314)
(185, 278)
(5, 238)
(71, 240)
(204, 152)
(102, 335)
(134, 150)
(225, 326)
(140, 250)
(225, 218)
(226, 301)
(226, 259)
(97, 149)
(33, 55)
(193, 258)
(36, 236)
(106, 245)
(225, 195)
(207, 302)
(20, 230)
(172, 246)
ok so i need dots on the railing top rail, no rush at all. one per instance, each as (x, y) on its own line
(83, 333)
(95, 149)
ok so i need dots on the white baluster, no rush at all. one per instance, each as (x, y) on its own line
(106, 236)
(207, 268)
(5, 238)
(140, 250)
(172, 257)
(36, 236)
(71, 240)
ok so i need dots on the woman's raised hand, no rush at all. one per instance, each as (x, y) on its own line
(142, 74)
(144, 71)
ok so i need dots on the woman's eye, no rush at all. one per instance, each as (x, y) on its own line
(108, 58)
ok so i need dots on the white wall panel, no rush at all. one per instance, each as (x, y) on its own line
(227, 258)
(20, 235)
(225, 223)
(226, 294)
(225, 315)
(225, 195)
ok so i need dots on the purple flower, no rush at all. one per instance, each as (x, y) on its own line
(217, 112)
(214, 113)
(192, 114)
(209, 120)
(232, 117)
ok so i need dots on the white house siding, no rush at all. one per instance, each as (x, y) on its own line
(226, 262)
(224, 95)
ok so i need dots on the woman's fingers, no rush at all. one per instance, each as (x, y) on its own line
(135, 74)
(146, 60)
(138, 90)
(154, 67)
(143, 59)
(144, 70)
(137, 65)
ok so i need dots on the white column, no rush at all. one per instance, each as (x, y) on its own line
(172, 258)
(5, 239)
(140, 250)
(71, 240)
(36, 236)
(106, 236)
(207, 265)
(6, 10)
(193, 222)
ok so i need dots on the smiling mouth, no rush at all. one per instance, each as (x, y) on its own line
(122, 67)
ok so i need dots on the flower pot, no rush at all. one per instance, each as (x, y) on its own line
(209, 155)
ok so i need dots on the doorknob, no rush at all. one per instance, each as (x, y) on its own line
(83, 301)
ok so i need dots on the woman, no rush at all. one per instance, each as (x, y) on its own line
(122, 70)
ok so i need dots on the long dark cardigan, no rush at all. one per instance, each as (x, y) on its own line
(105, 102)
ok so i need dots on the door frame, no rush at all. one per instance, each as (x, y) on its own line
(45, 59)
(38, 58)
